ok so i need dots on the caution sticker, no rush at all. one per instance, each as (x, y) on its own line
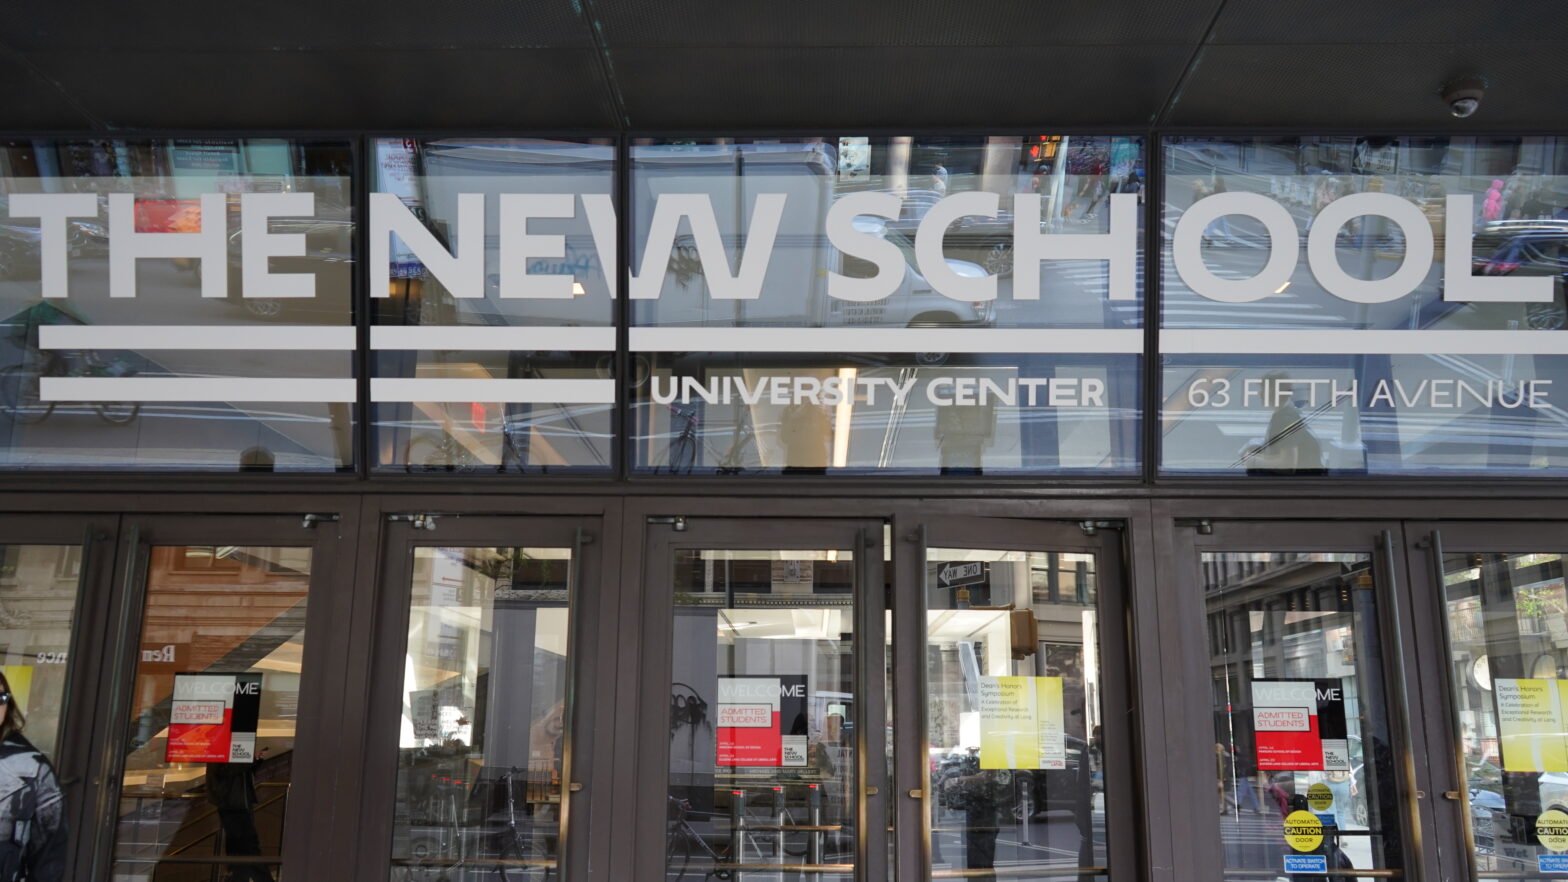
(1320, 797)
(1552, 829)
(1304, 832)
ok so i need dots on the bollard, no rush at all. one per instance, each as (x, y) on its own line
(778, 822)
(737, 839)
(814, 840)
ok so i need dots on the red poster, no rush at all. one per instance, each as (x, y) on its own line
(212, 718)
(762, 721)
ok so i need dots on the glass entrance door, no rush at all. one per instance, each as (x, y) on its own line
(768, 637)
(217, 723)
(51, 644)
(1020, 688)
(1495, 595)
(1312, 769)
(483, 695)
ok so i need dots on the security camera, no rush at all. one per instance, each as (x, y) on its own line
(1463, 96)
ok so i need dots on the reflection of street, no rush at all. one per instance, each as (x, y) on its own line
(198, 433)
(1047, 841)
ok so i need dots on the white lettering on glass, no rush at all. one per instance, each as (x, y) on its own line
(876, 250)
(1187, 247)
(258, 244)
(746, 284)
(52, 211)
(928, 246)
(209, 246)
(518, 246)
(1119, 247)
(461, 270)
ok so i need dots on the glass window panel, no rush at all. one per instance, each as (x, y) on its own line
(177, 360)
(1506, 615)
(213, 610)
(1374, 347)
(37, 603)
(1013, 715)
(484, 715)
(762, 740)
(507, 366)
(755, 353)
(1301, 730)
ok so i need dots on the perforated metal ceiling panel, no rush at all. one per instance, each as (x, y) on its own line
(815, 64)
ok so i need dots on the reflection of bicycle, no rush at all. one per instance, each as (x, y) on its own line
(516, 843)
(21, 396)
(682, 840)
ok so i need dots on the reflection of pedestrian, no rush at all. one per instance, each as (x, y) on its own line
(1289, 447)
(986, 796)
(32, 811)
(231, 788)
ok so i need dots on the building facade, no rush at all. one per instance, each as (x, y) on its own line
(841, 506)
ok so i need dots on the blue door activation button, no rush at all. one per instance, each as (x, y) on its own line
(1552, 863)
(1306, 863)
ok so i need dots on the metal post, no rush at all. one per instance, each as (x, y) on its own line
(778, 822)
(814, 841)
(737, 838)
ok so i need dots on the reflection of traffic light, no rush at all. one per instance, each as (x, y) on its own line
(1042, 148)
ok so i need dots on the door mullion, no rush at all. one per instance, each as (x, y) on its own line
(871, 683)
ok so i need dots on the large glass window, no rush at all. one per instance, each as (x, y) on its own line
(492, 286)
(893, 304)
(214, 713)
(176, 304)
(1350, 305)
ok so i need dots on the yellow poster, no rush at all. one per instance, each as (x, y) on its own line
(1021, 723)
(21, 679)
(1530, 725)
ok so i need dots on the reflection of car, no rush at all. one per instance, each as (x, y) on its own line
(1036, 791)
(19, 249)
(329, 255)
(1527, 248)
(986, 241)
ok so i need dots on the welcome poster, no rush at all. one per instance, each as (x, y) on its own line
(1530, 725)
(212, 718)
(1300, 725)
(762, 721)
(1021, 723)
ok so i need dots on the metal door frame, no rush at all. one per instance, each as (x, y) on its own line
(390, 531)
(913, 534)
(308, 826)
(665, 535)
(95, 536)
(1425, 544)
(1185, 623)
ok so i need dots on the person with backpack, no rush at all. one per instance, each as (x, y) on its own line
(32, 808)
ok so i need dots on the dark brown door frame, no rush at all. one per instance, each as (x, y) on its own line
(1425, 542)
(1185, 627)
(913, 535)
(387, 537)
(700, 530)
(90, 621)
(310, 821)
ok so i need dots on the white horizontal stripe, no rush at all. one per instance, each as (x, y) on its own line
(982, 340)
(248, 389)
(498, 390)
(1317, 341)
(212, 337)
(493, 338)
